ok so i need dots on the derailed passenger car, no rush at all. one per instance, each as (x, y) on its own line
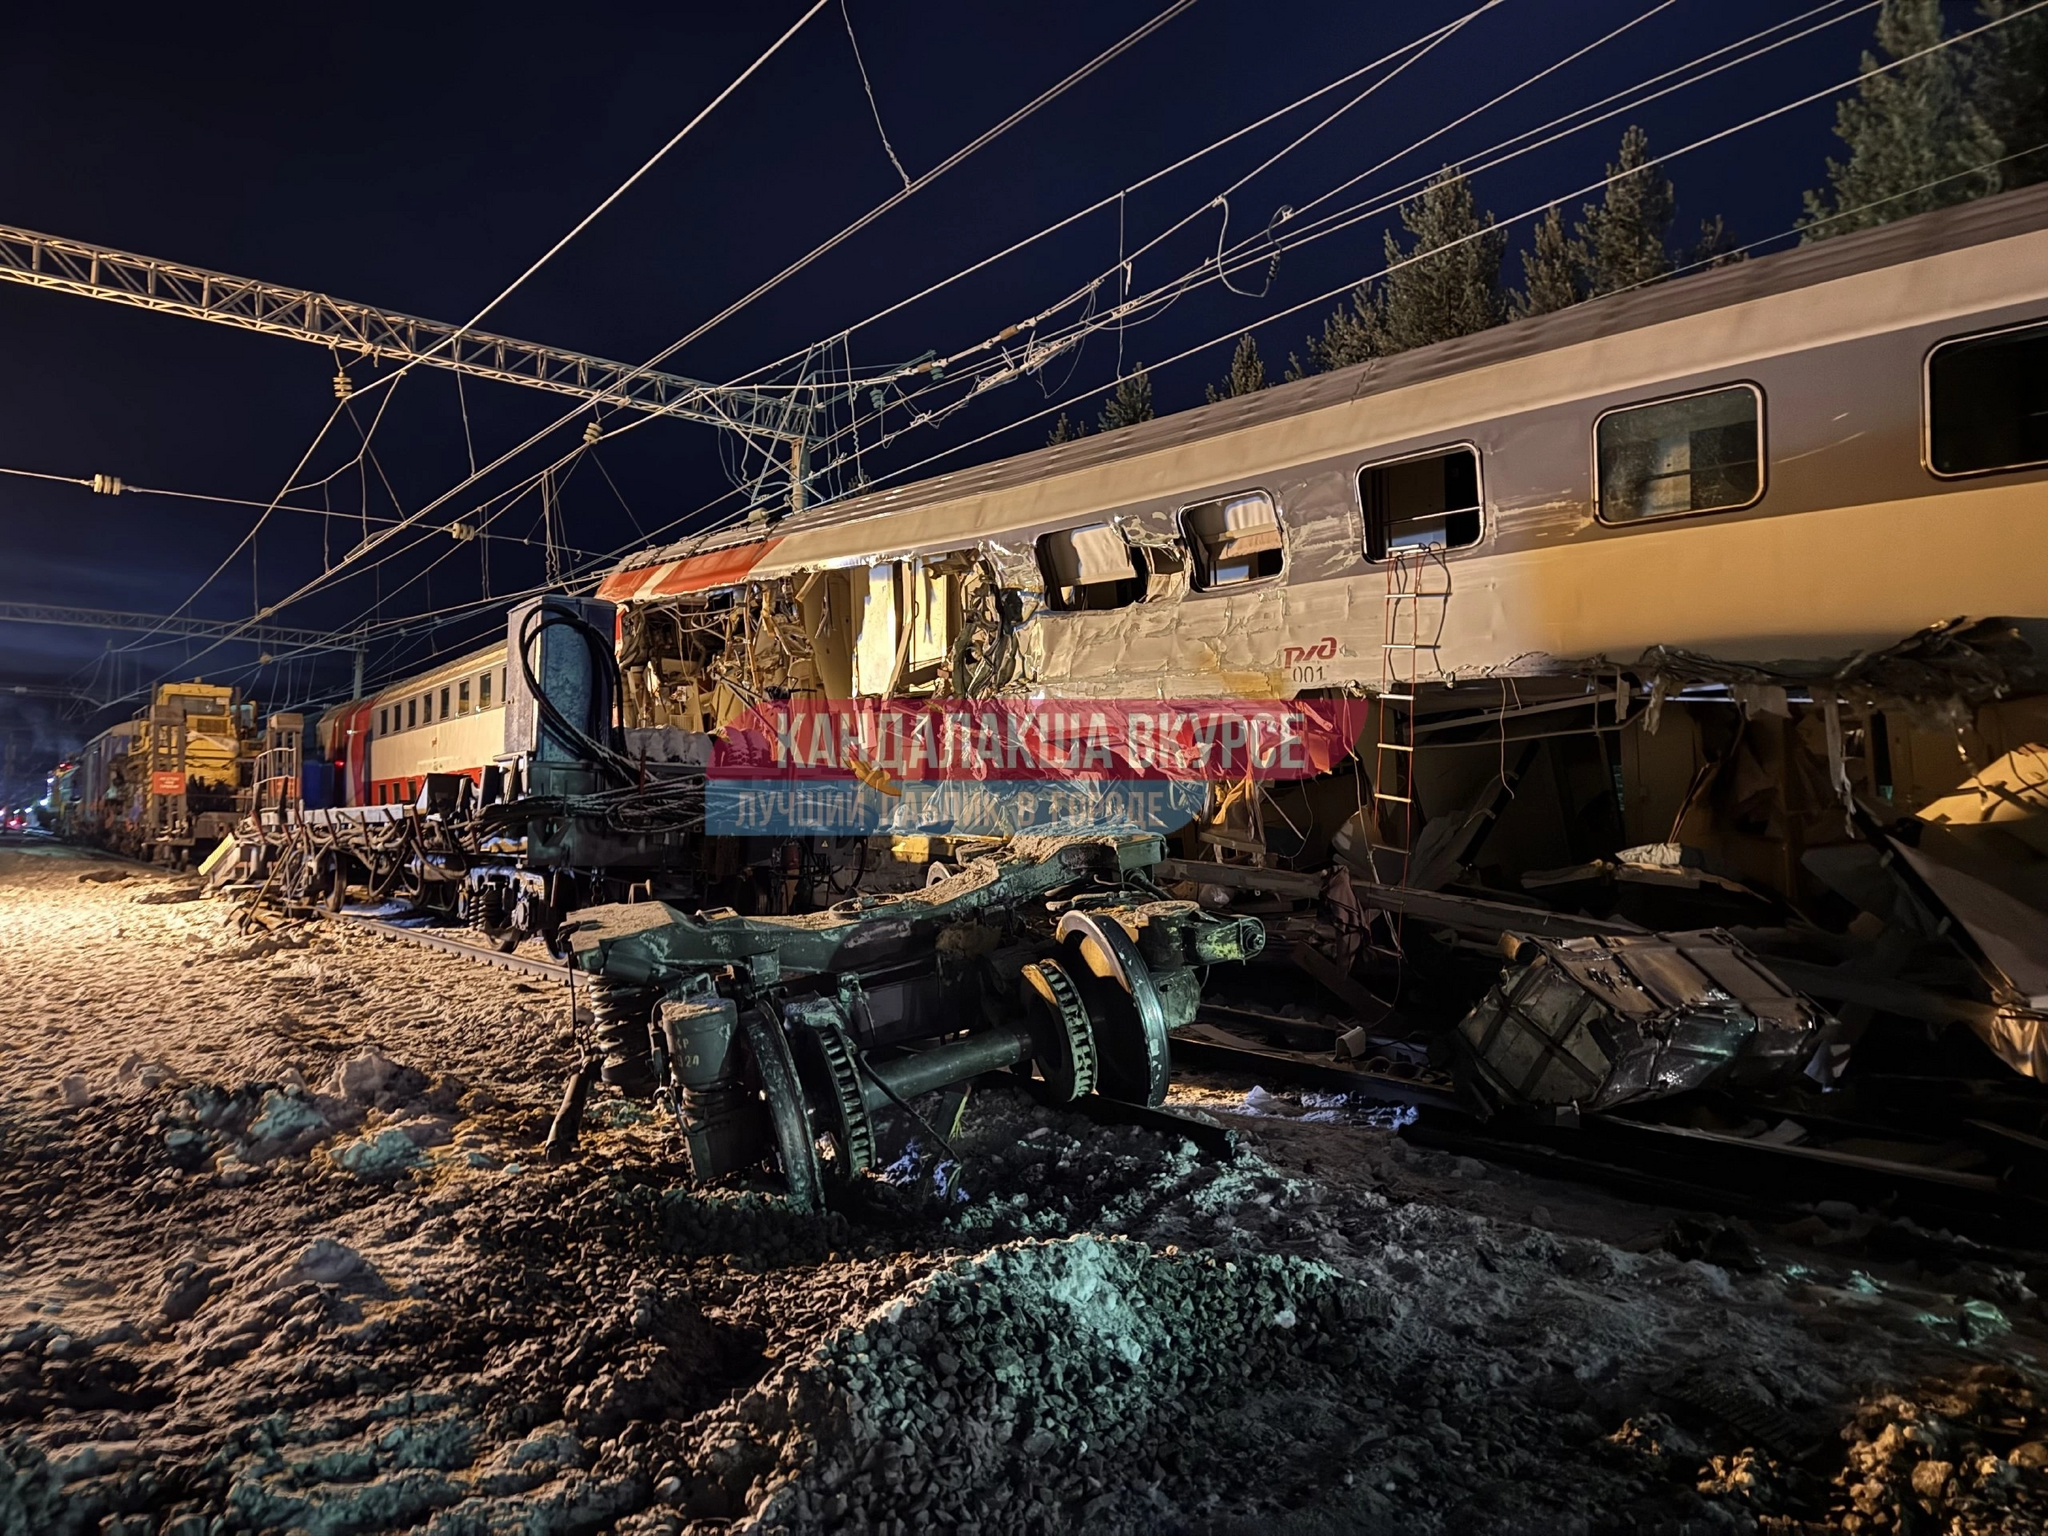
(1721, 603)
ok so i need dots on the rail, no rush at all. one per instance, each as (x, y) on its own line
(481, 954)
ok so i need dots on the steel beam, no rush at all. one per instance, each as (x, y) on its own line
(122, 277)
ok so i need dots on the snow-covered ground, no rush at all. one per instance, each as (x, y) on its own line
(277, 1252)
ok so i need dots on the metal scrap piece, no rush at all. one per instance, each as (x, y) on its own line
(1613, 1019)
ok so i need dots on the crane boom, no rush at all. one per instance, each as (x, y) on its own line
(122, 277)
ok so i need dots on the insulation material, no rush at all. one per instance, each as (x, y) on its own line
(930, 612)
(1015, 562)
(875, 644)
(826, 605)
(2019, 1038)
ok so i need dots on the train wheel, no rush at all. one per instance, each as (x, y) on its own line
(795, 1144)
(1063, 1035)
(1131, 1049)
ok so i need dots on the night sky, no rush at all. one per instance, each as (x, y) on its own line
(420, 156)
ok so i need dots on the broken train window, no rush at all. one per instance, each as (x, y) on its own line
(1987, 402)
(1090, 567)
(1234, 540)
(1698, 453)
(1425, 501)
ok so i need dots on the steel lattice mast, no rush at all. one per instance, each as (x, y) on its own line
(363, 330)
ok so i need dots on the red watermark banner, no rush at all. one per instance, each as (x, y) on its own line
(888, 742)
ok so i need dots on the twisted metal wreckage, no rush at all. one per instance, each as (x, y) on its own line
(1533, 584)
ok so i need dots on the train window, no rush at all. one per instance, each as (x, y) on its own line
(1089, 567)
(1234, 540)
(1987, 402)
(462, 697)
(1427, 501)
(483, 691)
(383, 724)
(412, 713)
(444, 703)
(1698, 453)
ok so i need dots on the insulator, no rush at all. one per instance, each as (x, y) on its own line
(107, 485)
(343, 386)
(592, 432)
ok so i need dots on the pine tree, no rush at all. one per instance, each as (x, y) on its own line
(1247, 372)
(1916, 138)
(1622, 236)
(1065, 430)
(1424, 297)
(2011, 71)
(1713, 248)
(1131, 404)
(1350, 335)
(1429, 297)
(1551, 268)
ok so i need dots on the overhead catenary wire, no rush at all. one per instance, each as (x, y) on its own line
(868, 86)
(1712, 54)
(980, 141)
(453, 337)
(1257, 251)
(130, 488)
(1219, 270)
(1590, 188)
(1491, 158)
(1101, 203)
(1717, 136)
(1163, 296)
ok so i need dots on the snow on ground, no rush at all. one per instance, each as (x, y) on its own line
(277, 1253)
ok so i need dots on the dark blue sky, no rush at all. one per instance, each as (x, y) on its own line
(420, 156)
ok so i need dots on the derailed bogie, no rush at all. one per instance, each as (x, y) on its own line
(795, 1038)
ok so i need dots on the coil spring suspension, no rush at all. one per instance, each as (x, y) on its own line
(487, 909)
(620, 1015)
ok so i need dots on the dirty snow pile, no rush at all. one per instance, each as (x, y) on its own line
(277, 1254)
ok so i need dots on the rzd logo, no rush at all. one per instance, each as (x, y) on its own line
(1324, 649)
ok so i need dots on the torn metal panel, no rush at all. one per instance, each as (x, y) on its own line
(1943, 672)
(2012, 935)
(2010, 795)
(1602, 1021)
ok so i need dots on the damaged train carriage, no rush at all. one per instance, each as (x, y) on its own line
(1719, 602)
